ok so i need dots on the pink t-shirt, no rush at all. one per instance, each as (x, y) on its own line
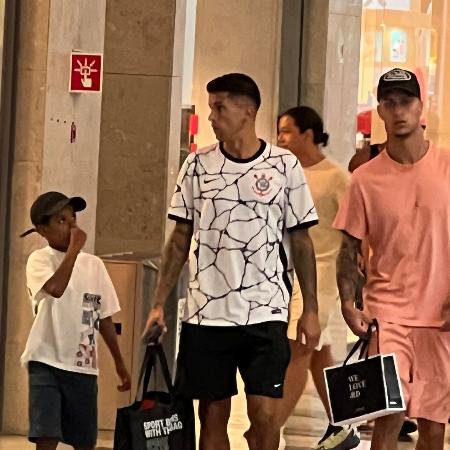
(404, 211)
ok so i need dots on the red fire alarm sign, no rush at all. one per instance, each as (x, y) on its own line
(86, 70)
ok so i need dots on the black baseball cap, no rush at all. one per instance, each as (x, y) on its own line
(51, 203)
(398, 79)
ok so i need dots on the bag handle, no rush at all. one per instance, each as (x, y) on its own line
(147, 365)
(151, 353)
(364, 343)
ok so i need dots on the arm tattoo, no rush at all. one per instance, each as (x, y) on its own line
(305, 267)
(175, 254)
(347, 267)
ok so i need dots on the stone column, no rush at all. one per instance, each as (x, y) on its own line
(140, 130)
(44, 158)
(68, 167)
(342, 77)
(330, 70)
(137, 146)
(28, 140)
(238, 36)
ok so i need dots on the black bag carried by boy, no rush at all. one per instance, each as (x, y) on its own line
(161, 420)
(365, 389)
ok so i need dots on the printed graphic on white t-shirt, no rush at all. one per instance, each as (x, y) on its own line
(241, 210)
(90, 324)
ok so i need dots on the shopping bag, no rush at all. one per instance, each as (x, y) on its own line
(159, 420)
(365, 389)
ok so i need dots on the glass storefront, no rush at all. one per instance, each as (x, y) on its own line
(413, 35)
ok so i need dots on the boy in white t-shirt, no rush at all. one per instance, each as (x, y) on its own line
(73, 300)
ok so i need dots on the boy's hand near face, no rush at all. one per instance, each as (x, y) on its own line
(77, 239)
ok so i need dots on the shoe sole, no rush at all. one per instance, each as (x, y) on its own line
(351, 441)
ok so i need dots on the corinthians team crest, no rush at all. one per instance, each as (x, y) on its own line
(262, 185)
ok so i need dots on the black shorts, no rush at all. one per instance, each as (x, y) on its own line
(210, 356)
(62, 405)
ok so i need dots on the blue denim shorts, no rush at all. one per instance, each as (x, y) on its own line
(62, 405)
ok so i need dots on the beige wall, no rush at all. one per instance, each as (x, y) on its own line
(140, 130)
(72, 167)
(237, 36)
(342, 77)
(331, 68)
(315, 33)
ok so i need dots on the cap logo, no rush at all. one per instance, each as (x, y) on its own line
(397, 75)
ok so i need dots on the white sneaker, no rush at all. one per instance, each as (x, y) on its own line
(339, 438)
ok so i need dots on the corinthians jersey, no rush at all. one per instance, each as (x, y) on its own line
(240, 270)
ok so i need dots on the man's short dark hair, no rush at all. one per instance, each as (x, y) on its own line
(236, 84)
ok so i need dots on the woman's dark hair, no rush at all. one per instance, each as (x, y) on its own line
(305, 118)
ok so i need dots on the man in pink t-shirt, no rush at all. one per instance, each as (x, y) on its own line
(400, 202)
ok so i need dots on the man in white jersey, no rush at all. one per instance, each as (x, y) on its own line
(242, 210)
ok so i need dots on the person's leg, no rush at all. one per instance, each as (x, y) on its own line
(319, 361)
(397, 339)
(294, 382)
(335, 436)
(206, 370)
(214, 416)
(428, 393)
(431, 435)
(44, 406)
(263, 360)
(79, 409)
(385, 433)
(264, 431)
(430, 397)
(46, 443)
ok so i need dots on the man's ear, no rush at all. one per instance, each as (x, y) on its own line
(251, 110)
(309, 134)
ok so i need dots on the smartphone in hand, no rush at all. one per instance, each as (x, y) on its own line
(152, 337)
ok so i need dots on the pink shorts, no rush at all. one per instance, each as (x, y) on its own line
(423, 359)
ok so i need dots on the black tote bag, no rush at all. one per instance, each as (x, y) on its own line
(365, 389)
(161, 420)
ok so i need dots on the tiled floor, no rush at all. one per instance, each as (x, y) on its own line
(306, 443)
(105, 443)
(311, 426)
